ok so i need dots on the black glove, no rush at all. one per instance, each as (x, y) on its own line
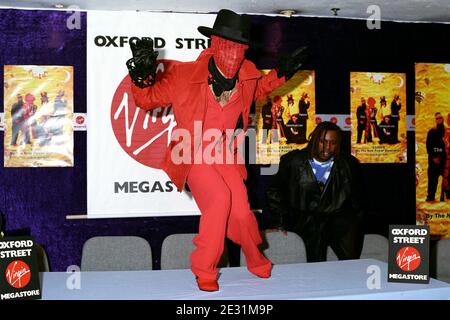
(288, 65)
(142, 67)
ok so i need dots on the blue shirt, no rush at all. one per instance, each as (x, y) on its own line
(321, 169)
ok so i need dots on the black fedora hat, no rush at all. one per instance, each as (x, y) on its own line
(229, 25)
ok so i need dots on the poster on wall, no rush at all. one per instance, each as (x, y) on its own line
(126, 145)
(284, 121)
(432, 105)
(378, 114)
(38, 105)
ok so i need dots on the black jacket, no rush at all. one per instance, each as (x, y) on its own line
(294, 196)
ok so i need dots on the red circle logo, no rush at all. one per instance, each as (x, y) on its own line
(144, 136)
(79, 120)
(408, 258)
(318, 120)
(333, 120)
(18, 274)
(348, 121)
(413, 121)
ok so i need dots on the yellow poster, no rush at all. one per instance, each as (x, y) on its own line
(284, 121)
(38, 104)
(378, 116)
(432, 104)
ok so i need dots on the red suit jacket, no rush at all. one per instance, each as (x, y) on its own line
(185, 87)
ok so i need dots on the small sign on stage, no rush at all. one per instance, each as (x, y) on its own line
(409, 254)
(19, 274)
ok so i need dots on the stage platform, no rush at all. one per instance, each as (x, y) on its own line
(325, 280)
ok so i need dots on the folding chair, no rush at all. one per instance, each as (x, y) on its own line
(375, 247)
(116, 253)
(281, 248)
(176, 251)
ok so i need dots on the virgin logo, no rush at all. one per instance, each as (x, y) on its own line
(348, 121)
(18, 274)
(144, 136)
(408, 259)
(79, 120)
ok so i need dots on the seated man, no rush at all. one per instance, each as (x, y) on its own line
(317, 194)
(294, 129)
(387, 131)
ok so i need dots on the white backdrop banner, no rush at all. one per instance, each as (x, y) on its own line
(125, 145)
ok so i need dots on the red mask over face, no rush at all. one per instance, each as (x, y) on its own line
(228, 55)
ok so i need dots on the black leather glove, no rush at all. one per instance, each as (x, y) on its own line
(142, 67)
(288, 65)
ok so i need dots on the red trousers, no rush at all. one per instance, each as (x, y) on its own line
(221, 196)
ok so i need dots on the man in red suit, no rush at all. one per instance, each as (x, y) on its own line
(215, 91)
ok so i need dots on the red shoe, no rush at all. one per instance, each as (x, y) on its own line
(262, 274)
(262, 271)
(207, 284)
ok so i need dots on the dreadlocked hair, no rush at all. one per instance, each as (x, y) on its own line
(319, 132)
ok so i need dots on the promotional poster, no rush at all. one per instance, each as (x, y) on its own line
(125, 144)
(378, 114)
(284, 121)
(432, 104)
(38, 104)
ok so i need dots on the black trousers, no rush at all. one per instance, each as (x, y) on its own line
(433, 172)
(343, 233)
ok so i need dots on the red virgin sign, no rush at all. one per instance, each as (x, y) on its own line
(144, 136)
(408, 259)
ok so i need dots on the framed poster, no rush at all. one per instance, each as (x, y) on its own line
(284, 121)
(38, 116)
(432, 104)
(378, 114)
